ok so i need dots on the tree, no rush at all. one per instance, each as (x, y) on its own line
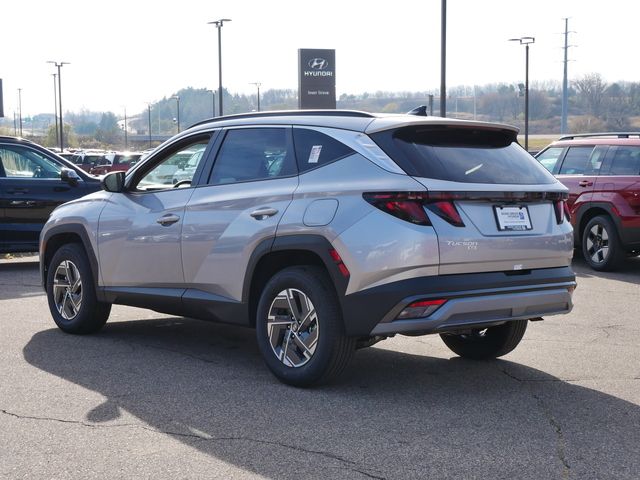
(591, 91)
(108, 130)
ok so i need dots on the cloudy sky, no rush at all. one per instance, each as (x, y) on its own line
(126, 53)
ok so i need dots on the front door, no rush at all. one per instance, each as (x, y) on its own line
(140, 229)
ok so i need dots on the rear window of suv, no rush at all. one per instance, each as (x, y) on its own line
(462, 154)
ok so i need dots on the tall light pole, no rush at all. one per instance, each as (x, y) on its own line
(20, 109)
(55, 103)
(177, 98)
(59, 65)
(126, 137)
(257, 84)
(526, 41)
(219, 24)
(149, 110)
(213, 103)
(443, 59)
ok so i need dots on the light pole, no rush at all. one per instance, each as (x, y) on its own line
(149, 110)
(257, 84)
(55, 104)
(219, 24)
(126, 138)
(443, 59)
(20, 109)
(59, 65)
(213, 103)
(526, 41)
(177, 97)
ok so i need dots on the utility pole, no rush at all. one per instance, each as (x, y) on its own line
(443, 59)
(20, 110)
(565, 92)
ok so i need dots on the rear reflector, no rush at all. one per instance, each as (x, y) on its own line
(420, 309)
(335, 256)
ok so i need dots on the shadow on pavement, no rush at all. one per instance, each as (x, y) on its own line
(19, 279)
(393, 415)
(628, 272)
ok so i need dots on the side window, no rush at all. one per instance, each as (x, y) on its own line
(177, 168)
(253, 154)
(314, 149)
(626, 161)
(577, 162)
(20, 162)
(549, 158)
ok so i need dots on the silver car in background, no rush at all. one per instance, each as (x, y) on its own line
(327, 231)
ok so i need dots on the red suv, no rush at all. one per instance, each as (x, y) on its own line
(602, 172)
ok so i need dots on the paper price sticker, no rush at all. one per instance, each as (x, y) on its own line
(314, 156)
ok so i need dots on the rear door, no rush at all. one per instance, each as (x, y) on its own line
(492, 205)
(250, 186)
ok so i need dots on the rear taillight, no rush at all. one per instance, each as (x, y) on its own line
(420, 309)
(562, 210)
(410, 206)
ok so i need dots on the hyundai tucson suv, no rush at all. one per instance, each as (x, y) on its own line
(602, 172)
(33, 181)
(326, 231)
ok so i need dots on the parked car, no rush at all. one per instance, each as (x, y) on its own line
(87, 159)
(602, 172)
(326, 231)
(119, 161)
(33, 181)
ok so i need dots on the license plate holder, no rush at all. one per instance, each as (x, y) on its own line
(512, 218)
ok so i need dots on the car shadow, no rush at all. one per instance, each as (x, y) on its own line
(392, 415)
(628, 271)
(19, 279)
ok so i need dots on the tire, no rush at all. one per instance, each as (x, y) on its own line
(484, 344)
(601, 246)
(71, 292)
(302, 348)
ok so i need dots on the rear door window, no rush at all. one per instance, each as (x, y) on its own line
(249, 154)
(462, 154)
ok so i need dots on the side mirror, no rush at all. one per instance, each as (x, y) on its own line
(113, 182)
(69, 176)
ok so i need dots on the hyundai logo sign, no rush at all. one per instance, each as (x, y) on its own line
(318, 64)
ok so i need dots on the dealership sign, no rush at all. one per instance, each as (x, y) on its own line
(316, 78)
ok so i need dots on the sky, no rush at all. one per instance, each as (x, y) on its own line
(123, 54)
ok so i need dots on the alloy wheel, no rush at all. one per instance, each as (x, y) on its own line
(67, 290)
(292, 327)
(598, 243)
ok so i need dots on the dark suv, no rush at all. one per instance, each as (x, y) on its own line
(602, 172)
(34, 181)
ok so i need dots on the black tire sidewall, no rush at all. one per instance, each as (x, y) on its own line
(615, 250)
(90, 317)
(313, 283)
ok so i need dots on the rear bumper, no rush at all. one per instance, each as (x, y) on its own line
(473, 300)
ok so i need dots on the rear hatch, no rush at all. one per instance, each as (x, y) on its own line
(492, 205)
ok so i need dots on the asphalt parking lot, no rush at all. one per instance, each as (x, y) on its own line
(154, 396)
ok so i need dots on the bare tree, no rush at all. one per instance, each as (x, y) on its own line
(591, 91)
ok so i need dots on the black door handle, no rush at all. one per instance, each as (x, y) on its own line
(16, 191)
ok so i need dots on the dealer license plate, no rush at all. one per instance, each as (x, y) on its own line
(512, 218)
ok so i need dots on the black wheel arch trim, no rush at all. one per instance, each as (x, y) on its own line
(66, 229)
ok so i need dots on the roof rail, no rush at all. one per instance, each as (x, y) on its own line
(288, 113)
(603, 134)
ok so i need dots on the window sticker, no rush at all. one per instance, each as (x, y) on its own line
(314, 156)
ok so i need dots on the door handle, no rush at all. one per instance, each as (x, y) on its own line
(18, 190)
(262, 213)
(167, 220)
(585, 183)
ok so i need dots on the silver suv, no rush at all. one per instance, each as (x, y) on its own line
(326, 231)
